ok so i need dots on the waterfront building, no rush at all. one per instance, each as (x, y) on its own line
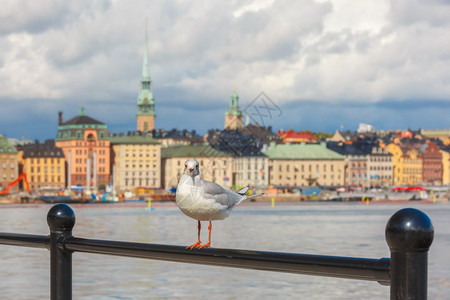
(356, 163)
(8, 164)
(407, 163)
(379, 167)
(145, 103)
(445, 151)
(251, 171)
(250, 165)
(234, 118)
(412, 166)
(431, 163)
(397, 153)
(215, 165)
(44, 164)
(86, 147)
(136, 161)
(305, 165)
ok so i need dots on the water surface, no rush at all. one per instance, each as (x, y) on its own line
(339, 229)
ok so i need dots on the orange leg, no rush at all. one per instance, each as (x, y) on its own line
(208, 244)
(198, 239)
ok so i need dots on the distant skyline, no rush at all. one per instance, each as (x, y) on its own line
(324, 64)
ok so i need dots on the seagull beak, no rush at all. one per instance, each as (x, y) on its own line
(190, 169)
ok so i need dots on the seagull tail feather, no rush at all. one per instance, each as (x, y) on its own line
(246, 197)
(243, 191)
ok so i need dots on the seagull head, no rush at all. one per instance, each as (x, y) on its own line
(191, 167)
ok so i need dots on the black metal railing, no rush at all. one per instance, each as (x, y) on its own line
(409, 234)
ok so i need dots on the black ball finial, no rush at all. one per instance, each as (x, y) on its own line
(409, 230)
(61, 218)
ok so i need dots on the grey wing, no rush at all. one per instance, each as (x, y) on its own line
(212, 190)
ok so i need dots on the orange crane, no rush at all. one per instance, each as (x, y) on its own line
(21, 176)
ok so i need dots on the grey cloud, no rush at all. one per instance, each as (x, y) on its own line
(39, 120)
(39, 16)
(91, 52)
(436, 13)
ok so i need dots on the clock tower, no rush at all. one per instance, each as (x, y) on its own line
(145, 102)
(234, 116)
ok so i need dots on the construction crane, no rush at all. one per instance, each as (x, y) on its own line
(21, 176)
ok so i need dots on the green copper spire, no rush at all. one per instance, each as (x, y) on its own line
(145, 101)
(145, 64)
(234, 105)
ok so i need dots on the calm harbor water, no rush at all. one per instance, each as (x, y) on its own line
(342, 229)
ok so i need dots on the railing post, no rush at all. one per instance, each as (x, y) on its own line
(409, 234)
(60, 220)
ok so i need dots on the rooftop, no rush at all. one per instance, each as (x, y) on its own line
(133, 139)
(82, 119)
(302, 151)
(192, 151)
(46, 149)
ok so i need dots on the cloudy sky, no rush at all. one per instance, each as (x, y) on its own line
(321, 65)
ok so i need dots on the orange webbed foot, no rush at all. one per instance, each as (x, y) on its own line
(207, 245)
(198, 244)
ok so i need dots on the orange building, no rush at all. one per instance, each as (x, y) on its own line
(86, 147)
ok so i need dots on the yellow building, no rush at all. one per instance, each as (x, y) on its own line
(44, 165)
(215, 165)
(445, 166)
(412, 167)
(397, 154)
(136, 162)
(407, 164)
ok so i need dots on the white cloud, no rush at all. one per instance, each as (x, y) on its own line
(357, 15)
(254, 7)
(338, 50)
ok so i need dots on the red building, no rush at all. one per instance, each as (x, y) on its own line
(296, 137)
(432, 163)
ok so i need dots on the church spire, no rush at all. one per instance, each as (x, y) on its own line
(145, 63)
(145, 101)
(234, 116)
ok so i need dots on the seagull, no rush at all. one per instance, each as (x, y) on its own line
(203, 200)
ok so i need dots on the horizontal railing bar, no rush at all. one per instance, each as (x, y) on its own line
(25, 240)
(330, 266)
